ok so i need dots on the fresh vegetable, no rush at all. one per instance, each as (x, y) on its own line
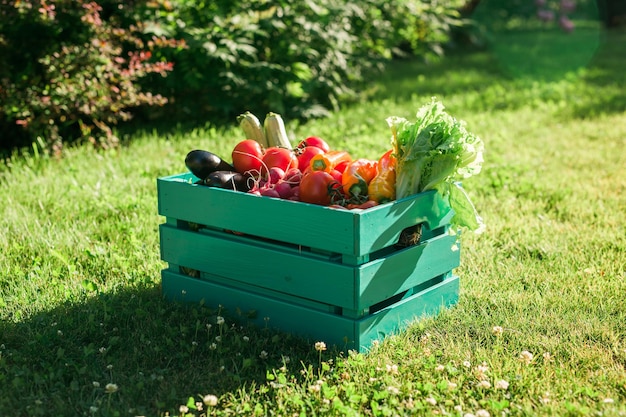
(316, 142)
(230, 180)
(434, 153)
(275, 132)
(319, 187)
(252, 128)
(247, 156)
(382, 188)
(282, 158)
(307, 153)
(202, 163)
(362, 206)
(357, 176)
(329, 160)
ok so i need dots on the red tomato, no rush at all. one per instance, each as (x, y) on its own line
(337, 175)
(315, 141)
(281, 158)
(247, 156)
(318, 187)
(307, 153)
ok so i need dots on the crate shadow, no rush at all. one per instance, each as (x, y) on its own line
(160, 351)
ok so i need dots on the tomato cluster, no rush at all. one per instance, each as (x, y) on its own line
(311, 172)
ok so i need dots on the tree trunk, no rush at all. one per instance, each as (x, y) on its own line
(612, 12)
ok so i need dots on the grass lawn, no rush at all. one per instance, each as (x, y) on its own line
(540, 327)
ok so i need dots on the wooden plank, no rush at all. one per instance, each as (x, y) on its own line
(381, 227)
(356, 232)
(397, 317)
(334, 330)
(385, 277)
(282, 315)
(299, 274)
(262, 266)
(284, 220)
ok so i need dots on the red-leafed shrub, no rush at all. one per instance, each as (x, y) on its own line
(69, 70)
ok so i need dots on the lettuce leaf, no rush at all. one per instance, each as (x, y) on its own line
(435, 152)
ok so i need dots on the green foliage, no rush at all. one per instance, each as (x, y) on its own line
(74, 69)
(298, 58)
(538, 330)
(69, 69)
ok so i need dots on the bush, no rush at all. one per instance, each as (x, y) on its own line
(294, 57)
(69, 69)
(72, 69)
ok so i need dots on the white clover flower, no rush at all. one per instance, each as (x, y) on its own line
(525, 357)
(93, 409)
(392, 369)
(547, 357)
(102, 350)
(218, 339)
(96, 384)
(482, 413)
(109, 367)
(210, 400)
(467, 364)
(431, 401)
(220, 320)
(315, 388)
(393, 390)
(246, 339)
(468, 415)
(502, 384)
(263, 354)
(608, 401)
(183, 409)
(440, 368)
(110, 388)
(213, 346)
(452, 385)
(484, 384)
(497, 330)
(481, 371)
(320, 346)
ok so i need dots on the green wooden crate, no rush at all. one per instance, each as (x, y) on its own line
(333, 275)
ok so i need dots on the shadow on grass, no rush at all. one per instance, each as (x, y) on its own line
(59, 362)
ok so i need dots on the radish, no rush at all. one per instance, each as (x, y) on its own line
(283, 189)
(276, 174)
(270, 192)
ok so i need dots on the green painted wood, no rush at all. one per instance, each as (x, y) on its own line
(305, 302)
(407, 268)
(397, 317)
(335, 330)
(285, 271)
(285, 316)
(355, 232)
(267, 266)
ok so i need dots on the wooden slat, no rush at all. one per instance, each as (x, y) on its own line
(335, 330)
(285, 271)
(355, 233)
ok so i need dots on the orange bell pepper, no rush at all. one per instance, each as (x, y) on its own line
(357, 176)
(382, 188)
(329, 160)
